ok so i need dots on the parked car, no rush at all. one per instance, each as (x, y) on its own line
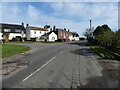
(66, 40)
(59, 40)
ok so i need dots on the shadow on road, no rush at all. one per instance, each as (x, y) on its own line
(83, 52)
(101, 82)
(82, 49)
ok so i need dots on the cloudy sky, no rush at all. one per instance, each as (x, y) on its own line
(71, 15)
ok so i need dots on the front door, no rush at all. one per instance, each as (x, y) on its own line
(7, 38)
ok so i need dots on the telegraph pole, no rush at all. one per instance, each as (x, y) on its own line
(90, 24)
(91, 31)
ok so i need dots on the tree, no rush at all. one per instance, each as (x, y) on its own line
(103, 35)
(88, 32)
(106, 28)
(106, 39)
(99, 30)
(117, 39)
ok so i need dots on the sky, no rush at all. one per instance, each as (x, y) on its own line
(74, 16)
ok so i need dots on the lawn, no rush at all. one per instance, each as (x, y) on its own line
(31, 42)
(9, 50)
(104, 54)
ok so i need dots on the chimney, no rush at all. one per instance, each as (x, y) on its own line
(65, 29)
(22, 24)
(54, 28)
(51, 29)
(68, 30)
(27, 25)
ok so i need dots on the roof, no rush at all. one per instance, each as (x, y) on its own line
(37, 28)
(46, 34)
(74, 33)
(11, 26)
(62, 30)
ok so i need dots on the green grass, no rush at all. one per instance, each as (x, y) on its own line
(10, 50)
(104, 54)
(30, 42)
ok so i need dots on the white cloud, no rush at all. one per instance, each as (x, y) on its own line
(99, 13)
(33, 14)
(57, 6)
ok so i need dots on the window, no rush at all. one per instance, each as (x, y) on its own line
(17, 30)
(53, 38)
(61, 33)
(6, 30)
(66, 34)
(40, 32)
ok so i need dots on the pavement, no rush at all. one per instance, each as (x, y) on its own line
(59, 65)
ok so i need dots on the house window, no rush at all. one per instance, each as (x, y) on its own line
(66, 34)
(34, 32)
(53, 38)
(17, 30)
(6, 30)
(61, 33)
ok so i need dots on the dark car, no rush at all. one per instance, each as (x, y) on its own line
(66, 40)
(60, 40)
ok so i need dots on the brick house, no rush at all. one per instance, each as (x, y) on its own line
(62, 33)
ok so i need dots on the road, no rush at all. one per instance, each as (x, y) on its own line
(63, 65)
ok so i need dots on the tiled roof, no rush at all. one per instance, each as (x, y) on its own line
(62, 30)
(37, 28)
(47, 34)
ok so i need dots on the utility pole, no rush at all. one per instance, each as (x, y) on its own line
(91, 32)
(90, 24)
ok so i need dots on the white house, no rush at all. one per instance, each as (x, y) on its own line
(50, 36)
(71, 37)
(1, 34)
(11, 31)
(75, 36)
(34, 32)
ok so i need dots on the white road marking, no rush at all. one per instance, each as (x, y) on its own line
(61, 52)
(38, 69)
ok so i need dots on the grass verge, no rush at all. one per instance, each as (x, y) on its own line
(30, 42)
(105, 54)
(10, 50)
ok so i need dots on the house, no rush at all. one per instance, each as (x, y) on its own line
(34, 33)
(75, 36)
(62, 33)
(71, 37)
(10, 31)
(50, 36)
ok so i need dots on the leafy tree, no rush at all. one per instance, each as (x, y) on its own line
(106, 28)
(101, 29)
(106, 39)
(117, 39)
(88, 32)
